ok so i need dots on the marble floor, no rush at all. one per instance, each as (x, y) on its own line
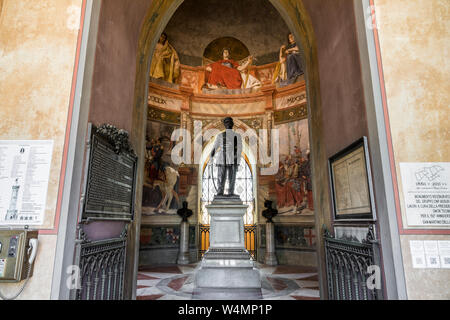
(175, 282)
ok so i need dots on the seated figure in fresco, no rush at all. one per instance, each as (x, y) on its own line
(290, 66)
(226, 73)
(165, 62)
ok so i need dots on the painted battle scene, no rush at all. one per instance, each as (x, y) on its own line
(293, 180)
(161, 184)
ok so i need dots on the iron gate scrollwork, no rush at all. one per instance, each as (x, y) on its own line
(348, 265)
(101, 268)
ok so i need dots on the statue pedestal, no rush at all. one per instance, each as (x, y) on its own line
(270, 258)
(226, 271)
(183, 253)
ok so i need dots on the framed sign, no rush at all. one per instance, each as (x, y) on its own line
(351, 183)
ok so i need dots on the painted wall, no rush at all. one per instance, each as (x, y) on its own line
(344, 117)
(115, 62)
(37, 57)
(415, 43)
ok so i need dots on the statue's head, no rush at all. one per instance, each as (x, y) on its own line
(228, 123)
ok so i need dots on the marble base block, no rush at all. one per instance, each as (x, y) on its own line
(226, 270)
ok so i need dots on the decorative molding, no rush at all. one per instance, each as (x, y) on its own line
(82, 236)
(292, 114)
(155, 114)
(254, 123)
(119, 138)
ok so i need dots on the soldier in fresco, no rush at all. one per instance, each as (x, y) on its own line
(298, 185)
(156, 165)
(289, 175)
(307, 176)
(280, 186)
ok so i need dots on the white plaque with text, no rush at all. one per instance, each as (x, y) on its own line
(426, 191)
(24, 176)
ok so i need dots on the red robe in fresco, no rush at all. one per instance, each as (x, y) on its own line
(223, 74)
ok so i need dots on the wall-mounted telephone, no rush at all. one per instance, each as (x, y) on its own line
(18, 250)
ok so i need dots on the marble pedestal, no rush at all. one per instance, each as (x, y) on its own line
(270, 258)
(183, 253)
(226, 270)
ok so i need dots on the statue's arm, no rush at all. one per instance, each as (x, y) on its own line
(217, 144)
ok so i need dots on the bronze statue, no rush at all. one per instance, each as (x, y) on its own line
(227, 148)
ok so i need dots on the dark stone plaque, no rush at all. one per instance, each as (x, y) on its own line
(110, 183)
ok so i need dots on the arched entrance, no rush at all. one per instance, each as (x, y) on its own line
(339, 91)
(297, 19)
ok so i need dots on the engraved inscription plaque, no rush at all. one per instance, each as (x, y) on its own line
(110, 183)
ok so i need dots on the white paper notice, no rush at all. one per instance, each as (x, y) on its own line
(24, 176)
(417, 254)
(432, 254)
(426, 190)
(444, 252)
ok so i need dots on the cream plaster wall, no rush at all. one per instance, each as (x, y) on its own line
(415, 46)
(37, 53)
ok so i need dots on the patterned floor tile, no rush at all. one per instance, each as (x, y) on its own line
(149, 283)
(304, 298)
(277, 284)
(177, 282)
(307, 284)
(294, 269)
(160, 269)
(143, 276)
(150, 297)
(306, 292)
(309, 277)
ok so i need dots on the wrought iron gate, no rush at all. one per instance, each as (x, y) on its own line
(348, 265)
(101, 269)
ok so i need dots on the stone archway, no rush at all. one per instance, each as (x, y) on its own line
(296, 17)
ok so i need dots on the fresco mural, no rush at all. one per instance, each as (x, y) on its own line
(290, 65)
(227, 67)
(293, 180)
(161, 185)
(292, 236)
(165, 62)
(228, 73)
(164, 236)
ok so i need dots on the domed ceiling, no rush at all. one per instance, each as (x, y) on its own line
(256, 23)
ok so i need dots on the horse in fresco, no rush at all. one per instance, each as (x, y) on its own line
(167, 188)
